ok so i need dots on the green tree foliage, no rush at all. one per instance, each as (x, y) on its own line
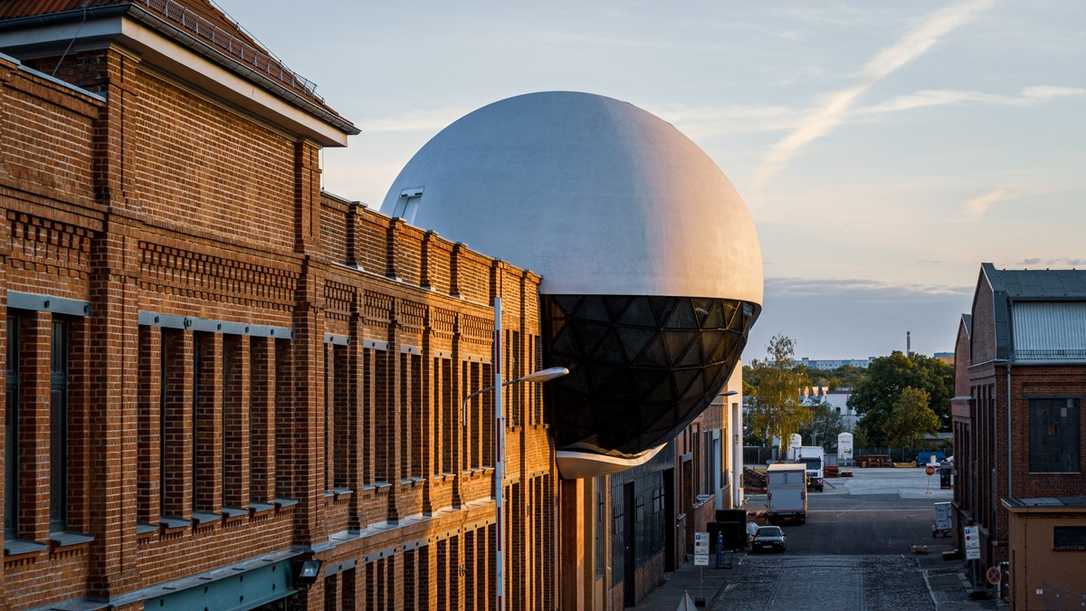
(823, 428)
(885, 380)
(910, 419)
(774, 388)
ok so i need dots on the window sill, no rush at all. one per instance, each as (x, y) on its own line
(174, 523)
(1055, 472)
(68, 539)
(258, 508)
(199, 518)
(281, 504)
(233, 513)
(18, 547)
(144, 529)
(341, 493)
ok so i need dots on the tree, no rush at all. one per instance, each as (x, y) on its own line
(824, 427)
(910, 419)
(776, 409)
(874, 396)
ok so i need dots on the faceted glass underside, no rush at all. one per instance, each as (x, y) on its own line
(641, 368)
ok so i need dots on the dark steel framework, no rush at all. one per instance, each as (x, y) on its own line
(641, 368)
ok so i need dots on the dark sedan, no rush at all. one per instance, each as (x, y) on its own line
(768, 538)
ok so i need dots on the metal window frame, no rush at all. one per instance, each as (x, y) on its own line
(210, 325)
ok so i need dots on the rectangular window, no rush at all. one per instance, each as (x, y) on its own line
(382, 425)
(488, 416)
(58, 426)
(448, 424)
(11, 430)
(326, 479)
(1069, 538)
(419, 432)
(1054, 435)
(406, 433)
(342, 416)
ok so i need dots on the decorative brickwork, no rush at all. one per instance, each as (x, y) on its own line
(261, 368)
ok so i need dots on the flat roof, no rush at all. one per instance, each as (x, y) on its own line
(787, 466)
(1049, 503)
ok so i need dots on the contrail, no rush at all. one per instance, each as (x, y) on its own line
(837, 104)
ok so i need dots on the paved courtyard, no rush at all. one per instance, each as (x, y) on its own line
(855, 552)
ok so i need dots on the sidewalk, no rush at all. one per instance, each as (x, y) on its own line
(688, 578)
(948, 586)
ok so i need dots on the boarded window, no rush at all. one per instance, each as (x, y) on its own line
(1054, 435)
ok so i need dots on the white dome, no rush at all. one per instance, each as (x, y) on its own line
(595, 194)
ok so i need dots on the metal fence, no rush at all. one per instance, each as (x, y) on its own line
(759, 455)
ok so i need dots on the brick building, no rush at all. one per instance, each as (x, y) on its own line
(217, 373)
(1020, 376)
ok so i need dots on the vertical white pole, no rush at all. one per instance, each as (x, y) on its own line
(499, 458)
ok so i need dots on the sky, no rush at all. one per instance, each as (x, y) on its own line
(885, 149)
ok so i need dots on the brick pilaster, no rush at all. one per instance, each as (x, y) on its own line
(307, 197)
(356, 375)
(236, 428)
(304, 427)
(207, 484)
(453, 396)
(178, 349)
(262, 419)
(114, 430)
(34, 437)
(80, 413)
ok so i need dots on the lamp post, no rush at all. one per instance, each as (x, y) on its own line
(536, 377)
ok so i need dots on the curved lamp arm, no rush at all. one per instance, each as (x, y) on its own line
(536, 377)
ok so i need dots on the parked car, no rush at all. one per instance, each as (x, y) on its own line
(768, 538)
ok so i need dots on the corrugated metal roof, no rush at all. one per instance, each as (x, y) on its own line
(1049, 331)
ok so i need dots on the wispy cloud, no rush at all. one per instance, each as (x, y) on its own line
(980, 205)
(1059, 261)
(836, 106)
(857, 288)
(925, 98)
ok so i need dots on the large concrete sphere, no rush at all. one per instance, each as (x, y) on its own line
(595, 194)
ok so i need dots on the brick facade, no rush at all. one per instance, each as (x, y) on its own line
(993, 426)
(197, 438)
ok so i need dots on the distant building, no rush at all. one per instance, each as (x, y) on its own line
(946, 357)
(1020, 363)
(827, 364)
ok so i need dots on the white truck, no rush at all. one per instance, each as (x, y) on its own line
(787, 493)
(814, 459)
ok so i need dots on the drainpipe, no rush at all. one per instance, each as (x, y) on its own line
(1010, 443)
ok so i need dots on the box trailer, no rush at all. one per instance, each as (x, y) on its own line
(787, 493)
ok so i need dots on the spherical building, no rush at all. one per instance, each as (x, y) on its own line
(652, 271)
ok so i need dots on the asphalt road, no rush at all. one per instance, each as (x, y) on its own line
(878, 512)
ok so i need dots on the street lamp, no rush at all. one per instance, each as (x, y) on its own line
(536, 377)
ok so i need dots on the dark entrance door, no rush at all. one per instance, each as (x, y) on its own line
(629, 582)
(669, 520)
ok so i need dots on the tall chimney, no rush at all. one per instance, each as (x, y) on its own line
(908, 343)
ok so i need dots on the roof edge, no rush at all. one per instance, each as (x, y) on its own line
(142, 16)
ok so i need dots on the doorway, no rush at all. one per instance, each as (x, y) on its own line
(669, 520)
(629, 582)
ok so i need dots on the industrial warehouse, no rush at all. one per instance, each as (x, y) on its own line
(513, 386)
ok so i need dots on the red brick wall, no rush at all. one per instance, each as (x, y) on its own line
(217, 205)
(201, 167)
